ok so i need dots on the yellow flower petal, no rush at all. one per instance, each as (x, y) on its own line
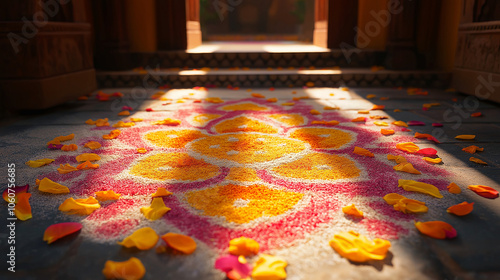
(107, 195)
(156, 210)
(143, 239)
(269, 268)
(363, 152)
(409, 147)
(380, 123)
(49, 186)
(142, 151)
(60, 139)
(161, 192)
(407, 205)
(93, 145)
(358, 248)
(23, 207)
(133, 269)
(397, 159)
(112, 135)
(393, 198)
(414, 186)
(400, 123)
(87, 157)
(406, 167)
(180, 242)
(69, 148)
(67, 168)
(433, 160)
(136, 119)
(243, 246)
(39, 162)
(352, 210)
(79, 206)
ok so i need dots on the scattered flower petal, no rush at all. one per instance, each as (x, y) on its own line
(476, 160)
(387, 132)
(416, 123)
(143, 239)
(329, 123)
(272, 100)
(243, 246)
(484, 191)
(87, 165)
(49, 186)
(359, 119)
(436, 229)
(397, 159)
(433, 160)
(156, 210)
(378, 107)
(363, 152)
(400, 123)
(258, 95)
(408, 147)
(364, 112)
(58, 231)
(358, 248)
(269, 267)
(428, 152)
(112, 135)
(233, 267)
(180, 242)
(93, 145)
(380, 123)
(426, 136)
(414, 186)
(465, 137)
(407, 205)
(142, 151)
(67, 168)
(168, 122)
(124, 113)
(23, 207)
(161, 192)
(79, 206)
(136, 119)
(475, 115)
(39, 162)
(406, 167)
(352, 210)
(87, 157)
(123, 124)
(107, 195)
(454, 188)
(15, 192)
(315, 112)
(461, 209)
(370, 96)
(69, 148)
(60, 139)
(132, 269)
(472, 149)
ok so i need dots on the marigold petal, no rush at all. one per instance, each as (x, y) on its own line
(352, 210)
(465, 137)
(39, 162)
(58, 231)
(433, 160)
(132, 269)
(180, 242)
(49, 186)
(93, 145)
(15, 191)
(87, 157)
(107, 195)
(407, 205)
(315, 112)
(124, 113)
(258, 95)
(409, 147)
(243, 246)
(143, 239)
(23, 207)
(476, 160)
(475, 115)
(156, 210)
(397, 159)
(436, 229)
(393, 198)
(161, 192)
(484, 191)
(387, 132)
(472, 149)
(454, 188)
(380, 123)
(359, 119)
(87, 165)
(269, 267)
(400, 123)
(406, 167)
(363, 152)
(67, 168)
(378, 107)
(358, 248)
(79, 206)
(112, 135)
(414, 186)
(461, 209)
(142, 150)
(69, 148)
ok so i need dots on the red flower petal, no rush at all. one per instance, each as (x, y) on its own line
(57, 231)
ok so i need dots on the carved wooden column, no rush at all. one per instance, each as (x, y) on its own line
(401, 35)
(110, 32)
(45, 53)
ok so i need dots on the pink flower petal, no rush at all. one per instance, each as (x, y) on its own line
(233, 267)
(415, 123)
(437, 124)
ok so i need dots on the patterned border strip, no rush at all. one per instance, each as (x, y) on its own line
(429, 79)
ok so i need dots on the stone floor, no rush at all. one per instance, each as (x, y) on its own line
(474, 254)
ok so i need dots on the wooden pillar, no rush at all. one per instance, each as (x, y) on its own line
(320, 34)
(342, 23)
(401, 35)
(171, 24)
(429, 22)
(111, 40)
(193, 28)
(46, 53)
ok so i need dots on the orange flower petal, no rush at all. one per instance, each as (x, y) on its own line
(433, 160)
(156, 210)
(380, 123)
(393, 198)
(23, 207)
(330, 108)
(49, 186)
(90, 122)
(87, 165)
(87, 157)
(57, 231)
(79, 206)
(399, 123)
(476, 160)
(378, 107)
(214, 100)
(461, 209)
(387, 132)
(136, 119)
(60, 139)
(93, 145)
(269, 267)
(484, 191)
(161, 192)
(407, 205)
(112, 135)
(352, 210)
(472, 149)
(132, 269)
(465, 137)
(272, 100)
(143, 239)
(406, 167)
(408, 147)
(123, 124)
(436, 229)
(315, 112)
(364, 112)
(358, 248)
(359, 119)
(397, 159)
(107, 195)
(124, 113)
(179, 242)
(69, 148)
(168, 122)
(363, 152)
(102, 122)
(258, 95)
(414, 186)
(39, 162)
(454, 188)
(475, 115)
(370, 96)
(14, 192)
(67, 168)
(329, 123)
(243, 246)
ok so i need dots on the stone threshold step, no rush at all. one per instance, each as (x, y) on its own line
(361, 77)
